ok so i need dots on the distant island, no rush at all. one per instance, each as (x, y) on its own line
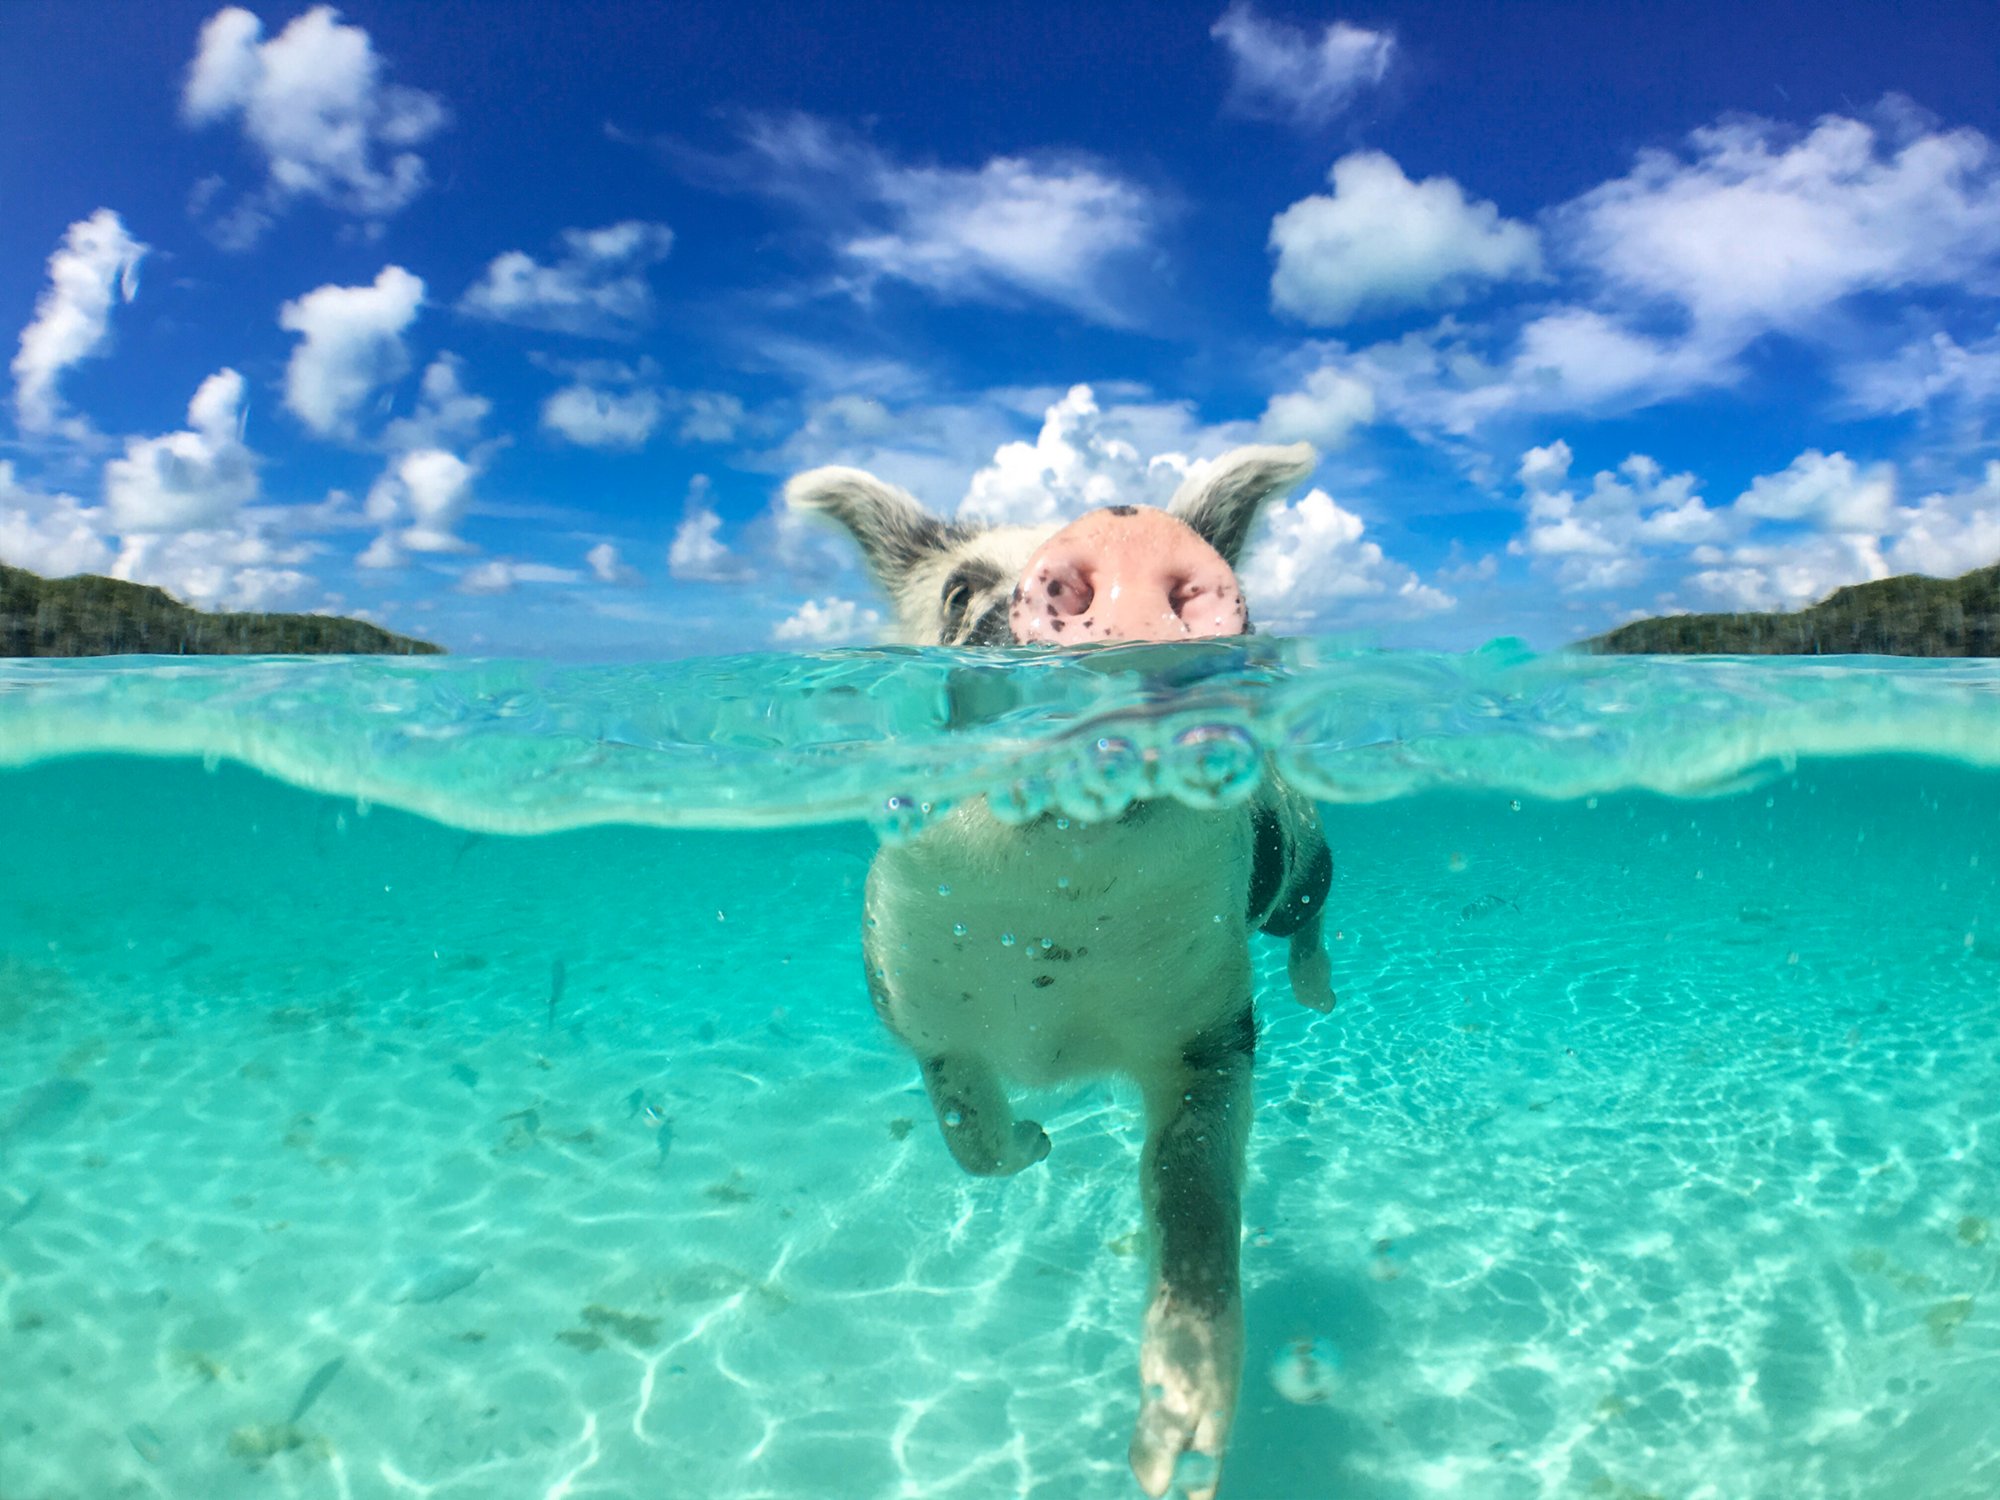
(92, 616)
(1908, 615)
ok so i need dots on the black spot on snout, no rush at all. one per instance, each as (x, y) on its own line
(1124, 510)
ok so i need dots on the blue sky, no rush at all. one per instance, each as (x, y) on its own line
(503, 324)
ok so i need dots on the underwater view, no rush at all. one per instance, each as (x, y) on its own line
(457, 1078)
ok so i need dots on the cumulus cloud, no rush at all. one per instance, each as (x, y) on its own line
(502, 576)
(1324, 411)
(698, 553)
(831, 621)
(97, 263)
(1314, 565)
(597, 418)
(313, 103)
(446, 415)
(1788, 539)
(607, 567)
(1600, 540)
(419, 500)
(239, 566)
(598, 287)
(1382, 243)
(1279, 72)
(1074, 464)
(54, 535)
(187, 481)
(1759, 227)
(1050, 227)
(350, 344)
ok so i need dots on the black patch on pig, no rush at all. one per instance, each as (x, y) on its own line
(1306, 896)
(1123, 510)
(1043, 981)
(1268, 858)
(1223, 1043)
(991, 629)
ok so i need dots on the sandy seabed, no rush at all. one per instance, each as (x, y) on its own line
(1650, 1152)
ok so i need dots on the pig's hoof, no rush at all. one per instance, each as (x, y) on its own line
(1175, 1451)
(1031, 1144)
(1312, 979)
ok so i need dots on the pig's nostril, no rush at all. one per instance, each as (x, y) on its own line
(1068, 593)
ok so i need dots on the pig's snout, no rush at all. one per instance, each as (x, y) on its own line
(1130, 573)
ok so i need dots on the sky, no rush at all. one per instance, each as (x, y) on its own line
(503, 324)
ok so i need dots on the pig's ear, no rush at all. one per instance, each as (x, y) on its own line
(1222, 503)
(892, 530)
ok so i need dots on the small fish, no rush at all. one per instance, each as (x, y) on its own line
(436, 1280)
(659, 1120)
(27, 1206)
(43, 1110)
(321, 1379)
(558, 977)
(145, 1442)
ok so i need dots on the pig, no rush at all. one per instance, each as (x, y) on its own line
(1000, 953)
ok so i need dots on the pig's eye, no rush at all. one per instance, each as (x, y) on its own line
(957, 598)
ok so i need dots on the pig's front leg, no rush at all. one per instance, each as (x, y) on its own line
(1191, 1351)
(977, 1121)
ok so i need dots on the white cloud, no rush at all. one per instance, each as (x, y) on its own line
(1603, 539)
(607, 567)
(1789, 539)
(240, 566)
(187, 481)
(1313, 566)
(598, 287)
(1077, 462)
(698, 553)
(1324, 411)
(1948, 534)
(1382, 242)
(447, 414)
(419, 499)
(1924, 372)
(710, 416)
(96, 262)
(313, 103)
(501, 576)
(1829, 493)
(1760, 228)
(1277, 71)
(598, 418)
(350, 344)
(1055, 228)
(830, 621)
(54, 535)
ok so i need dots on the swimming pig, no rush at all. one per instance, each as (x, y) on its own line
(1031, 954)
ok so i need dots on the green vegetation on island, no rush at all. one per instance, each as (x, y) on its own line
(92, 616)
(1908, 615)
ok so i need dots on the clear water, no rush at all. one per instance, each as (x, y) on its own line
(1650, 1150)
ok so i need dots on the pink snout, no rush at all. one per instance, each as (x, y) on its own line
(1130, 573)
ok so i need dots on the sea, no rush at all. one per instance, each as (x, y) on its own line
(451, 1078)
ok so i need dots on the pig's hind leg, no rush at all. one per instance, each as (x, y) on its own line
(977, 1121)
(1191, 1351)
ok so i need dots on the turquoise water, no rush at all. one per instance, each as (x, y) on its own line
(455, 1079)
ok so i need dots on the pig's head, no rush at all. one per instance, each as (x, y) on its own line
(1122, 573)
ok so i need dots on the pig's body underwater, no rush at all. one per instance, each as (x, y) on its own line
(1029, 954)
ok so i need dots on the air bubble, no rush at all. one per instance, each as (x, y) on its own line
(1212, 765)
(944, 890)
(1006, 939)
(953, 1118)
(958, 929)
(1062, 881)
(899, 817)
(1048, 943)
